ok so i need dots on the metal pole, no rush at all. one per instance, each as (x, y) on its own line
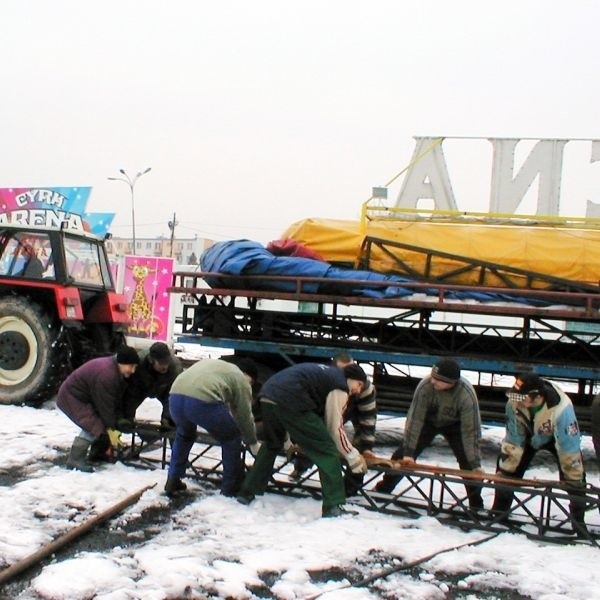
(172, 228)
(131, 183)
(131, 186)
(71, 535)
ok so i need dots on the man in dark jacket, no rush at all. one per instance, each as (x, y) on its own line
(90, 397)
(308, 402)
(444, 403)
(361, 411)
(153, 378)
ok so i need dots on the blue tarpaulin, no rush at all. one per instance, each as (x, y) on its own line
(245, 257)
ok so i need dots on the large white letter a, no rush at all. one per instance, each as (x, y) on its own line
(427, 177)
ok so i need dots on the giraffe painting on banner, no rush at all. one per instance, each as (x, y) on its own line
(145, 283)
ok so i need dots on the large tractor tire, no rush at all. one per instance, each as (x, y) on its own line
(28, 366)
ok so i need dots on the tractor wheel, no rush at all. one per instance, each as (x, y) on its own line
(27, 370)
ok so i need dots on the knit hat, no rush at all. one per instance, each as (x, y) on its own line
(353, 371)
(127, 356)
(446, 370)
(530, 385)
(159, 351)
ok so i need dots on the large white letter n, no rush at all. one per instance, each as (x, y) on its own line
(545, 160)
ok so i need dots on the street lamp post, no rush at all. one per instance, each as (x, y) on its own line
(131, 183)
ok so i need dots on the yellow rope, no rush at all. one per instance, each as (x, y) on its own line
(363, 212)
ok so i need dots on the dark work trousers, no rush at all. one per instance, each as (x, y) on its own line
(503, 497)
(215, 417)
(309, 431)
(352, 481)
(452, 434)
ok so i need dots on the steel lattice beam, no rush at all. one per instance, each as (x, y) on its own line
(540, 510)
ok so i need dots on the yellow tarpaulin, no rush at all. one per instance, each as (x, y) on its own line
(565, 252)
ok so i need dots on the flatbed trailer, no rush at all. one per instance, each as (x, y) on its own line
(551, 331)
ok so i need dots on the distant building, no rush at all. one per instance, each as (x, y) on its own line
(186, 251)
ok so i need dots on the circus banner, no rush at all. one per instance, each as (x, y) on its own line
(144, 282)
(52, 207)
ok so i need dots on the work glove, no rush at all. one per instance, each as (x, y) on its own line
(253, 448)
(114, 436)
(358, 464)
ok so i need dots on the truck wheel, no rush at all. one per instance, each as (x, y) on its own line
(26, 337)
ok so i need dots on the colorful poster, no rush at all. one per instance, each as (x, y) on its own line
(145, 283)
(52, 207)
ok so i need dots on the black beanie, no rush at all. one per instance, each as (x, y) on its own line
(447, 370)
(159, 351)
(128, 356)
(353, 371)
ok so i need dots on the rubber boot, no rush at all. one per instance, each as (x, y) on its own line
(500, 510)
(332, 512)
(78, 456)
(577, 508)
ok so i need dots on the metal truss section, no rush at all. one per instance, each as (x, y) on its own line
(503, 345)
(540, 509)
(530, 339)
(484, 272)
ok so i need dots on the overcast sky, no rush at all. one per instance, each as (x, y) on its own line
(256, 114)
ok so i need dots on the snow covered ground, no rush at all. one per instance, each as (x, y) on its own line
(210, 546)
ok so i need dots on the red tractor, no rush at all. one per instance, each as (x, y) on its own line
(58, 308)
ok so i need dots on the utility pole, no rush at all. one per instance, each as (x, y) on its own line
(172, 224)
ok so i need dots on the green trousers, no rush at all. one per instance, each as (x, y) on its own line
(308, 430)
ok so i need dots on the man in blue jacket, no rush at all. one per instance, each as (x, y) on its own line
(308, 402)
(540, 416)
(361, 411)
